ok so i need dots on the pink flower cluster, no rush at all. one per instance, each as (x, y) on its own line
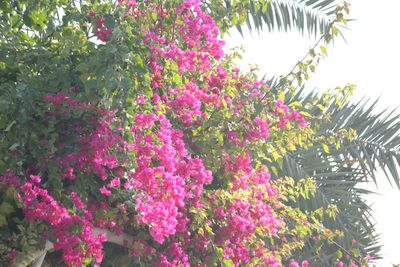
(198, 44)
(98, 147)
(40, 205)
(102, 32)
(294, 263)
(166, 175)
(286, 115)
(166, 178)
(243, 216)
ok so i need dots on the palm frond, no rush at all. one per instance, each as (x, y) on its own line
(337, 184)
(311, 16)
(338, 175)
(377, 143)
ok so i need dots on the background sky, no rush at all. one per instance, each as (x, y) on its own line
(370, 59)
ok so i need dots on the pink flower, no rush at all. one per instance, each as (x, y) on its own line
(10, 179)
(13, 254)
(114, 182)
(142, 100)
(35, 178)
(294, 263)
(102, 32)
(132, 3)
(105, 191)
(127, 185)
(77, 200)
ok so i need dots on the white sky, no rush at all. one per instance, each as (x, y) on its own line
(370, 59)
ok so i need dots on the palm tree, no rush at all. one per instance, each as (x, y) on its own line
(339, 173)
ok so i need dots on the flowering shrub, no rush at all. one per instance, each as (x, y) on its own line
(153, 140)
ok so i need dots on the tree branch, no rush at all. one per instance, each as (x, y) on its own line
(121, 239)
(36, 259)
(39, 260)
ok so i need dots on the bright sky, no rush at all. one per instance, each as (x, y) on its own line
(370, 59)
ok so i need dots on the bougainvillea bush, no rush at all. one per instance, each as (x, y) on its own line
(128, 138)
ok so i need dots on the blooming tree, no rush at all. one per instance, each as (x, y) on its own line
(129, 137)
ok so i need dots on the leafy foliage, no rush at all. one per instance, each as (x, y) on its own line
(125, 122)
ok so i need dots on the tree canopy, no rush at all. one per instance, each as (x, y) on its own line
(129, 138)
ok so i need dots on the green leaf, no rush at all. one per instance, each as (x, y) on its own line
(325, 148)
(212, 260)
(323, 50)
(220, 252)
(220, 137)
(14, 146)
(6, 208)
(3, 220)
(154, 16)
(228, 263)
(9, 126)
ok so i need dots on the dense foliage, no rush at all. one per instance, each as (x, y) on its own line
(129, 138)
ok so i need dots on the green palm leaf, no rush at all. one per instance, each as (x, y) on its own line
(338, 175)
(311, 16)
